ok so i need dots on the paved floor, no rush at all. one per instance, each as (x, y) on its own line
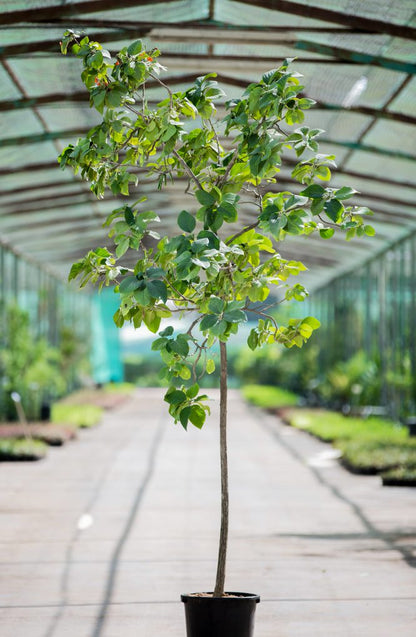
(100, 539)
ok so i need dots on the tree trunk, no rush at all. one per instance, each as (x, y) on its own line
(222, 552)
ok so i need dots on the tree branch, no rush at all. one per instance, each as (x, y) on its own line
(189, 331)
(243, 231)
(228, 169)
(185, 298)
(188, 170)
(328, 223)
(268, 316)
(181, 309)
(155, 77)
(200, 348)
(216, 139)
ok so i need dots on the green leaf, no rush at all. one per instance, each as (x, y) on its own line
(210, 366)
(199, 245)
(315, 191)
(175, 397)
(333, 209)
(142, 297)
(345, 192)
(129, 216)
(184, 416)
(192, 391)
(129, 284)
(258, 292)
(213, 241)
(216, 305)
(305, 330)
(295, 201)
(205, 198)
(186, 221)
(214, 220)
(155, 273)
(269, 76)
(205, 263)
(152, 321)
(306, 102)
(208, 321)
(317, 206)
(184, 260)
(235, 316)
(114, 97)
(326, 233)
(118, 319)
(185, 372)
(139, 71)
(235, 305)
(253, 340)
(98, 96)
(169, 132)
(276, 224)
(369, 231)
(123, 246)
(323, 172)
(228, 212)
(197, 416)
(135, 47)
(219, 328)
(254, 164)
(214, 93)
(363, 210)
(168, 331)
(157, 289)
(350, 234)
(158, 344)
(75, 270)
(312, 322)
(294, 223)
(180, 346)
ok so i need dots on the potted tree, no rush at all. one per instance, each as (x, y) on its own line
(203, 271)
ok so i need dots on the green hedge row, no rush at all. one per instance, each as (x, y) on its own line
(368, 446)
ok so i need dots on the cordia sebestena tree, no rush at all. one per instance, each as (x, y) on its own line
(202, 270)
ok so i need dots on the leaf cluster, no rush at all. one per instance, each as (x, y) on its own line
(203, 270)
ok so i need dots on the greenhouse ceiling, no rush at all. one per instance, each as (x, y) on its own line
(358, 62)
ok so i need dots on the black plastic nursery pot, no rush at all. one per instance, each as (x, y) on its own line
(228, 616)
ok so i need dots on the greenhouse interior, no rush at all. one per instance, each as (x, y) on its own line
(66, 364)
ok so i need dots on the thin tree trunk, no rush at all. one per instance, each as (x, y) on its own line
(222, 552)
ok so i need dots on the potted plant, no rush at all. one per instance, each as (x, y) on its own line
(29, 367)
(204, 271)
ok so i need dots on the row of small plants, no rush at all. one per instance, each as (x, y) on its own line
(346, 384)
(34, 368)
(368, 446)
(81, 409)
(353, 382)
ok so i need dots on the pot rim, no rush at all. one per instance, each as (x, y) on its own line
(238, 596)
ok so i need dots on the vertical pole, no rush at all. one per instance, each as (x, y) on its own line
(367, 281)
(382, 331)
(411, 314)
(222, 551)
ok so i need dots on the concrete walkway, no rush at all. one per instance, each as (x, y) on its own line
(100, 539)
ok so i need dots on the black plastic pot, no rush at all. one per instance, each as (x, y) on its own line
(411, 425)
(45, 411)
(220, 616)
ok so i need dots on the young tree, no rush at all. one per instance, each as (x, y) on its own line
(214, 276)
